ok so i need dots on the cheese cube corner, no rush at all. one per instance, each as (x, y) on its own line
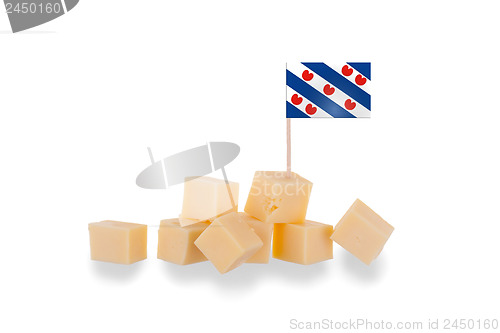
(276, 198)
(228, 242)
(176, 243)
(303, 243)
(118, 242)
(184, 222)
(362, 232)
(206, 198)
(265, 233)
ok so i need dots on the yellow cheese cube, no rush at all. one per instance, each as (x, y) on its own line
(118, 242)
(275, 198)
(228, 242)
(362, 232)
(176, 243)
(265, 233)
(206, 198)
(303, 243)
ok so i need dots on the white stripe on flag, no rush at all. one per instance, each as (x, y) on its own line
(338, 96)
(338, 68)
(320, 113)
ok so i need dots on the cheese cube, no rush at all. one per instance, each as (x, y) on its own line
(265, 233)
(303, 243)
(275, 198)
(362, 232)
(206, 198)
(176, 243)
(118, 242)
(228, 242)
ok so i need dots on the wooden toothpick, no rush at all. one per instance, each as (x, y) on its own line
(288, 149)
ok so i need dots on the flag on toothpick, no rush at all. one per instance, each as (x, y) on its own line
(317, 89)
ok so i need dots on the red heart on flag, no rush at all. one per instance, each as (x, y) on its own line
(296, 100)
(327, 89)
(306, 75)
(346, 70)
(310, 109)
(349, 105)
(360, 80)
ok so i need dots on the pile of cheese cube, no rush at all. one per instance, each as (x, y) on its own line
(211, 228)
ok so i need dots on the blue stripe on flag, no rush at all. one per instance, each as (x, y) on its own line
(293, 112)
(365, 68)
(316, 97)
(338, 81)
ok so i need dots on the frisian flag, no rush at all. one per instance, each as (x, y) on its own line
(320, 90)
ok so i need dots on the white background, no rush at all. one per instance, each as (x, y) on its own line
(83, 96)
